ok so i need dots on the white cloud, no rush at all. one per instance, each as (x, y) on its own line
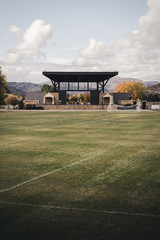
(136, 55)
(31, 71)
(33, 39)
(16, 30)
(94, 56)
(61, 61)
(141, 48)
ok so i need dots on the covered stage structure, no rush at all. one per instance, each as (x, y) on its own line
(94, 82)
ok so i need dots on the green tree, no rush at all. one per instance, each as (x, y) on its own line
(74, 98)
(21, 104)
(3, 87)
(152, 97)
(67, 97)
(47, 88)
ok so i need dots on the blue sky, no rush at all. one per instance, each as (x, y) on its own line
(78, 35)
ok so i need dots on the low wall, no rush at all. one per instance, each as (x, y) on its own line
(150, 104)
(75, 107)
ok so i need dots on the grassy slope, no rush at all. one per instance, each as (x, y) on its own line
(124, 177)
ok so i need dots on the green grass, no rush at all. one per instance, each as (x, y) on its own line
(124, 177)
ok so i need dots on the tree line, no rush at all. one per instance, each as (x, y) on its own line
(80, 98)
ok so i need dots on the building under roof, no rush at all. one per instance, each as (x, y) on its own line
(94, 82)
(37, 98)
(101, 78)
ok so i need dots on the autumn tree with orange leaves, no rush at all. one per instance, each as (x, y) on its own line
(136, 90)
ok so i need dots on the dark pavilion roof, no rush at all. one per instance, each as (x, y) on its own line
(79, 76)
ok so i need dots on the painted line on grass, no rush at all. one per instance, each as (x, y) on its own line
(81, 209)
(49, 173)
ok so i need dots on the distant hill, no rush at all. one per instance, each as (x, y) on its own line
(15, 91)
(24, 87)
(155, 89)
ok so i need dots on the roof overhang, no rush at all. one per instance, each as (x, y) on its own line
(79, 76)
(49, 95)
(107, 95)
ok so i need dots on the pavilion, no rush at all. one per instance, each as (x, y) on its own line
(94, 82)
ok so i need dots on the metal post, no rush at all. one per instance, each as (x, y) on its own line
(87, 86)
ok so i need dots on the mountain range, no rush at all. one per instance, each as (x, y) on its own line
(154, 89)
(22, 88)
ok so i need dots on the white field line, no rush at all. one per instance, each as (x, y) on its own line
(49, 173)
(81, 209)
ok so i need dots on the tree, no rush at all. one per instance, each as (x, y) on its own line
(136, 90)
(21, 104)
(87, 97)
(67, 97)
(152, 97)
(122, 87)
(81, 98)
(11, 100)
(47, 88)
(140, 90)
(3, 87)
(74, 98)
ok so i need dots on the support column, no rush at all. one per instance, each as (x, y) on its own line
(62, 97)
(58, 86)
(97, 87)
(94, 99)
(87, 86)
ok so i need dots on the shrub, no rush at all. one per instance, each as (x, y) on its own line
(30, 106)
(33, 107)
(21, 104)
(11, 100)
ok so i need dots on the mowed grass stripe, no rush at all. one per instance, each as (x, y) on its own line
(47, 174)
(80, 209)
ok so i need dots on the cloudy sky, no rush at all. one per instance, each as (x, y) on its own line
(79, 35)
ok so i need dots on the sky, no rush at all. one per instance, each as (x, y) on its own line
(79, 35)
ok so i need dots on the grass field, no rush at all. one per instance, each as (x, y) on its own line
(91, 175)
